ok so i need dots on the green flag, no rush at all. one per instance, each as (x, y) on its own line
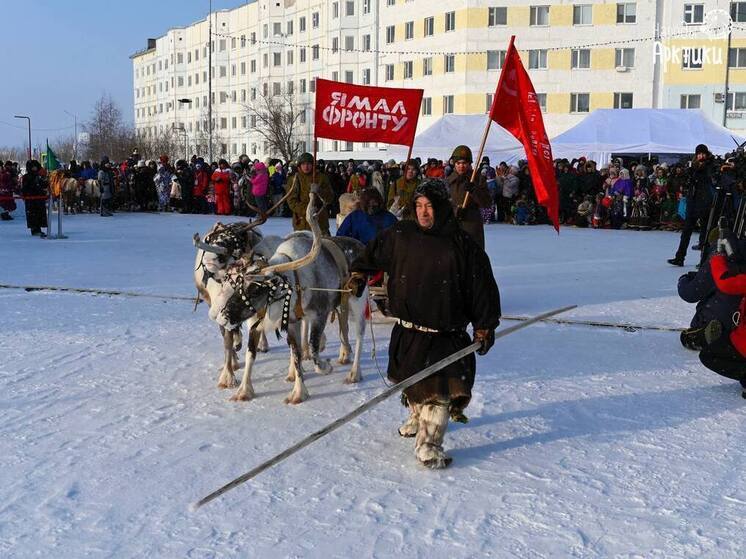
(51, 160)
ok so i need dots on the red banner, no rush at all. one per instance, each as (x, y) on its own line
(515, 108)
(361, 113)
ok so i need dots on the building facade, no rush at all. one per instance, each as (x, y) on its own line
(580, 55)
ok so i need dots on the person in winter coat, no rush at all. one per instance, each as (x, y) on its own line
(33, 185)
(201, 186)
(260, 187)
(163, 179)
(439, 281)
(221, 181)
(370, 219)
(724, 349)
(400, 195)
(302, 183)
(7, 190)
(186, 180)
(277, 187)
(474, 194)
(700, 182)
(106, 186)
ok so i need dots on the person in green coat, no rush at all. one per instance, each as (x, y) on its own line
(304, 185)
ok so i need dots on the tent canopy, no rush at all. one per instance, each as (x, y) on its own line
(607, 131)
(452, 130)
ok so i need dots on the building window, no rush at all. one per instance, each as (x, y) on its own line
(335, 10)
(580, 102)
(622, 100)
(366, 6)
(427, 66)
(366, 43)
(691, 101)
(366, 76)
(302, 54)
(335, 44)
(625, 57)
(253, 66)
(302, 86)
(390, 34)
(277, 28)
(736, 101)
(541, 99)
(495, 59)
(302, 24)
(315, 52)
(694, 14)
(349, 43)
(276, 88)
(289, 28)
(350, 8)
(391, 2)
(389, 72)
(626, 12)
(427, 106)
(581, 59)
(539, 15)
(582, 14)
(408, 70)
(738, 12)
(691, 58)
(497, 16)
(737, 58)
(429, 26)
(315, 20)
(349, 76)
(537, 59)
(409, 30)
(450, 21)
(488, 102)
(449, 63)
(289, 57)
(447, 104)
(223, 123)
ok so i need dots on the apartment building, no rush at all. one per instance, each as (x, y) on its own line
(581, 56)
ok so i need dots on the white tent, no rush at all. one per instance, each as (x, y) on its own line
(452, 130)
(642, 131)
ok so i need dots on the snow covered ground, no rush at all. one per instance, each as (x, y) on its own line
(583, 442)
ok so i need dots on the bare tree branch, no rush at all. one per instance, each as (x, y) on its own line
(277, 118)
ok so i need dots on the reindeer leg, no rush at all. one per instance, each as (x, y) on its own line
(263, 346)
(344, 346)
(245, 391)
(357, 309)
(227, 379)
(299, 393)
(321, 366)
(306, 351)
(237, 343)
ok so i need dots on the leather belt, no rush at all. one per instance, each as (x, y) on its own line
(417, 327)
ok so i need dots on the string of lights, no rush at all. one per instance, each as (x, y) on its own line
(37, 129)
(615, 43)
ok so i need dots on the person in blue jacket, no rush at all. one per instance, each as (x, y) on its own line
(372, 218)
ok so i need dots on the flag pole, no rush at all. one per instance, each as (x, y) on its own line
(50, 200)
(315, 151)
(486, 131)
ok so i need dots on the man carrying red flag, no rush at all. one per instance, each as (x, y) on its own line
(516, 109)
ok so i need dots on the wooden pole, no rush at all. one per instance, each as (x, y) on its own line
(475, 170)
(315, 151)
(435, 367)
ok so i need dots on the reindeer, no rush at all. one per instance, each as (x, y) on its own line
(91, 195)
(301, 281)
(221, 246)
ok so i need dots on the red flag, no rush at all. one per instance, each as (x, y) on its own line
(515, 108)
(361, 113)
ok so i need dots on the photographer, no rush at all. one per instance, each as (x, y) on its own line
(724, 350)
(700, 182)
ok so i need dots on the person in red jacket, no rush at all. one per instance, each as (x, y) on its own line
(221, 180)
(201, 186)
(726, 355)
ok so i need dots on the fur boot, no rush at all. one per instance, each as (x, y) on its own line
(409, 427)
(433, 422)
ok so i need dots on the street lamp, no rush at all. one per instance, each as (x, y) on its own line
(29, 132)
(75, 142)
(179, 131)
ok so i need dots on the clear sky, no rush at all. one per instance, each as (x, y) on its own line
(62, 55)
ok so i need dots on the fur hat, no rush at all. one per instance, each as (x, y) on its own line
(701, 148)
(435, 190)
(462, 153)
(305, 158)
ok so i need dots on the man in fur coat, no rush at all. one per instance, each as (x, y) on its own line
(440, 281)
(460, 185)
